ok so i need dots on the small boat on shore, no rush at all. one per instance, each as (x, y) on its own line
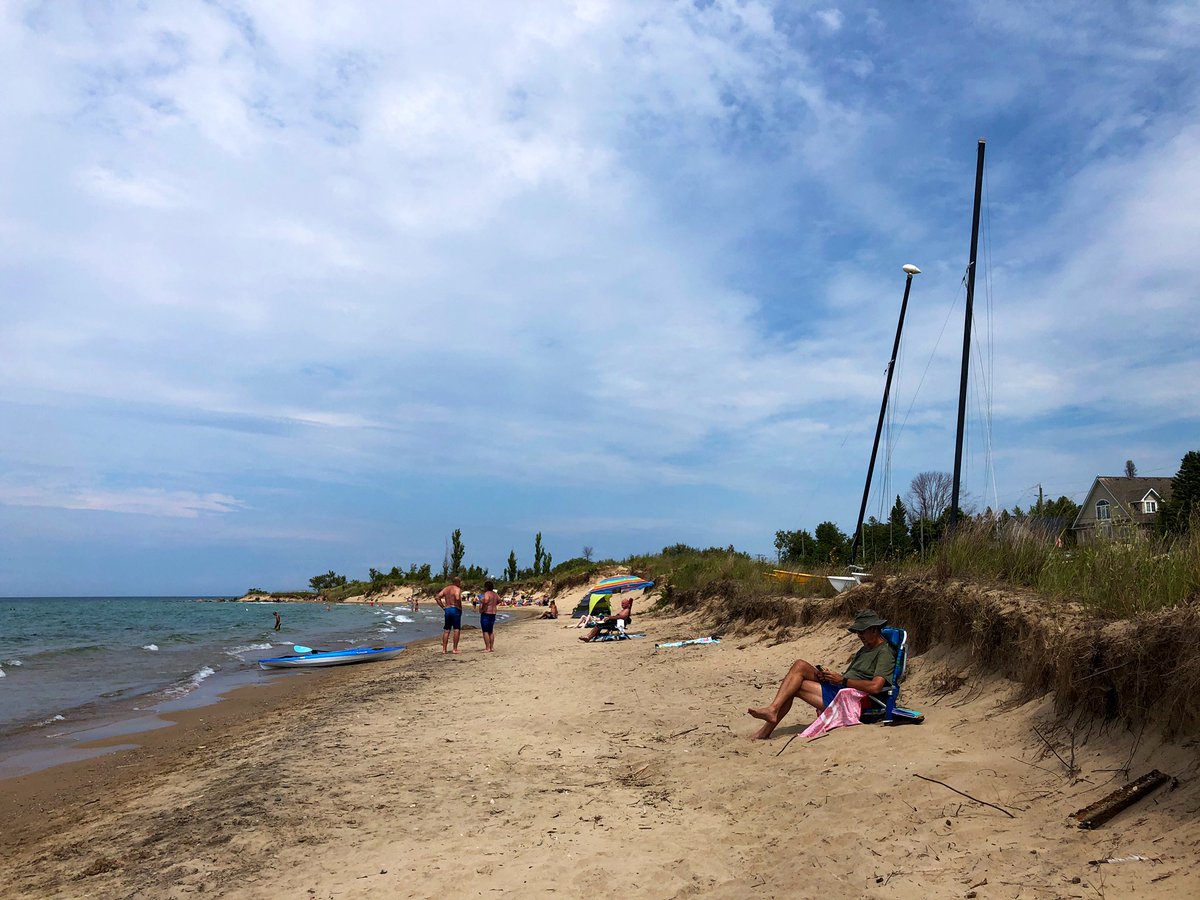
(320, 659)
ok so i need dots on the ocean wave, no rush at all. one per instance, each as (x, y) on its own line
(192, 683)
(2, 672)
(236, 651)
(12, 662)
(49, 721)
(402, 620)
(387, 630)
(151, 647)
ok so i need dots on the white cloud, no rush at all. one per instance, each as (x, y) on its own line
(588, 244)
(136, 501)
(832, 19)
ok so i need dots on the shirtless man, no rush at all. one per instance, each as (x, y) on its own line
(450, 600)
(870, 672)
(487, 616)
(626, 613)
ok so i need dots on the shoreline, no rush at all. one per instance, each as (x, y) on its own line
(604, 769)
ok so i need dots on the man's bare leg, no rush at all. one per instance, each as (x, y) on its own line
(800, 681)
(445, 638)
(457, 634)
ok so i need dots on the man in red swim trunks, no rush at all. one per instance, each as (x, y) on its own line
(450, 600)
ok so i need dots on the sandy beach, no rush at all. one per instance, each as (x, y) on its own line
(557, 768)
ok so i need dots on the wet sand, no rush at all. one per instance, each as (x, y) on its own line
(554, 767)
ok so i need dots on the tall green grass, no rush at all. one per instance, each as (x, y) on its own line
(1136, 573)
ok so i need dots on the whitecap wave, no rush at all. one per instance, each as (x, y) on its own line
(237, 651)
(49, 721)
(403, 620)
(151, 647)
(387, 630)
(193, 682)
(12, 662)
(2, 675)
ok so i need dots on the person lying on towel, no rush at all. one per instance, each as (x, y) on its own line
(870, 672)
(626, 613)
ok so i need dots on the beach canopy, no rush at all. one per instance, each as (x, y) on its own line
(620, 583)
(599, 597)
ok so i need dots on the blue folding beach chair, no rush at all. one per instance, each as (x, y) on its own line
(885, 706)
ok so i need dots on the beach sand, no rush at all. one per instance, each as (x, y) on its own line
(556, 768)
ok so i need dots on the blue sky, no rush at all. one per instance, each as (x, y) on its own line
(286, 287)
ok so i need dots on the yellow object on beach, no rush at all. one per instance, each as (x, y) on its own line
(785, 575)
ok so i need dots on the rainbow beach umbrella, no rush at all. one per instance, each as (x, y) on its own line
(619, 584)
(599, 596)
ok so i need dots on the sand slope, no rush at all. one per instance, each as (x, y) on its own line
(553, 767)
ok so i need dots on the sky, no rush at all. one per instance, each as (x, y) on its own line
(294, 287)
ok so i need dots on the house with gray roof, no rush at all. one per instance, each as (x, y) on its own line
(1118, 507)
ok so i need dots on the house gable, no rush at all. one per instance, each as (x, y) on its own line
(1116, 500)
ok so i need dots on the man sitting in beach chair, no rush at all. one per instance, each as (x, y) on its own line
(611, 624)
(870, 672)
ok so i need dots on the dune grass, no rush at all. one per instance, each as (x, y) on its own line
(1141, 572)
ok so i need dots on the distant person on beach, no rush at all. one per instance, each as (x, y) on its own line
(870, 672)
(450, 600)
(551, 613)
(626, 613)
(412, 598)
(278, 622)
(487, 616)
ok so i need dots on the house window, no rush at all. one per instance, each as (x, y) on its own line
(1149, 506)
(1102, 511)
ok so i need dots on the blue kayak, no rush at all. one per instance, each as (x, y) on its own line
(317, 659)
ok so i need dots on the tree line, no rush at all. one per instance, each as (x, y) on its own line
(912, 527)
(917, 522)
(452, 567)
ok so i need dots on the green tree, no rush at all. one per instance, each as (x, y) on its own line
(538, 552)
(510, 573)
(457, 551)
(832, 544)
(546, 564)
(1175, 516)
(330, 579)
(794, 547)
(899, 542)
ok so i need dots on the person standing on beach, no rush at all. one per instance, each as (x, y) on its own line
(487, 616)
(450, 600)
(278, 622)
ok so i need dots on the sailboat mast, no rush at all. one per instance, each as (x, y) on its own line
(910, 270)
(966, 354)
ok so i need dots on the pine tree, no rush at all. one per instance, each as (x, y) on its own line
(1176, 514)
(538, 552)
(457, 552)
(899, 542)
(510, 573)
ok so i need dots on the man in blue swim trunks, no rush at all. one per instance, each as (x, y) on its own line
(487, 616)
(870, 672)
(450, 600)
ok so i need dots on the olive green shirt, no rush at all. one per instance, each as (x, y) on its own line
(869, 662)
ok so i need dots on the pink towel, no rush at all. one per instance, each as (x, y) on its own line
(846, 709)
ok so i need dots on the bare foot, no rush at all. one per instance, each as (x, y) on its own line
(455, 651)
(765, 714)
